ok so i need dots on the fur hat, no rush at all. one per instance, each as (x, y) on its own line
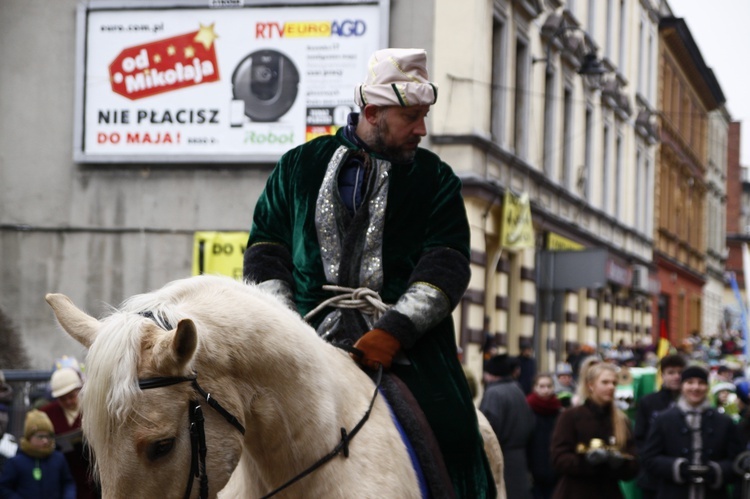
(37, 420)
(396, 77)
(694, 372)
(64, 381)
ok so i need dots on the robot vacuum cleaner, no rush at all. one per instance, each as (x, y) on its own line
(267, 81)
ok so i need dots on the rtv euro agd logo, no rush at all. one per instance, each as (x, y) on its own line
(311, 29)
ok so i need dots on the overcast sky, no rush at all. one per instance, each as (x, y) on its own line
(721, 28)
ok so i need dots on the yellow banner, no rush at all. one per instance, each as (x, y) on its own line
(556, 242)
(219, 253)
(517, 229)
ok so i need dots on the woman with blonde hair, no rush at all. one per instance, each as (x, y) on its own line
(580, 395)
(592, 445)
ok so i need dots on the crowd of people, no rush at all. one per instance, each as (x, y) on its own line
(51, 460)
(565, 434)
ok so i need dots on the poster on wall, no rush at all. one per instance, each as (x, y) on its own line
(242, 84)
(221, 253)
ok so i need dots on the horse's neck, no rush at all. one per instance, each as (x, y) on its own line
(296, 410)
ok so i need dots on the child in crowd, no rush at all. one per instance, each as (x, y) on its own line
(37, 470)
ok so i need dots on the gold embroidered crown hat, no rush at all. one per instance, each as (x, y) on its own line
(396, 77)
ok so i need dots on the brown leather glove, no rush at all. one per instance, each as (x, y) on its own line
(378, 348)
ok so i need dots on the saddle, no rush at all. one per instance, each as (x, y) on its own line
(419, 436)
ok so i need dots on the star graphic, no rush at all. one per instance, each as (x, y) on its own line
(189, 52)
(171, 50)
(157, 59)
(206, 36)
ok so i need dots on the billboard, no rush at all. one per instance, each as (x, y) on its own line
(198, 84)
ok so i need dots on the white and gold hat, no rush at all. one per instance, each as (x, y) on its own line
(396, 77)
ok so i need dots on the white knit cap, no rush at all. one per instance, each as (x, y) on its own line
(64, 381)
(396, 77)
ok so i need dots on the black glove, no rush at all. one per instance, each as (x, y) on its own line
(695, 473)
(597, 456)
(615, 459)
(741, 463)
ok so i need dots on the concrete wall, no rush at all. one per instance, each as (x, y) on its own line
(96, 233)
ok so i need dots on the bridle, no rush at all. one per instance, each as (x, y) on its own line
(198, 447)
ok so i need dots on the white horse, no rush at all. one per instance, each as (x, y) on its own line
(290, 391)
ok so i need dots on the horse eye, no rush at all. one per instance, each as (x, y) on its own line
(160, 448)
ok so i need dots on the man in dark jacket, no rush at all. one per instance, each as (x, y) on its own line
(527, 366)
(671, 367)
(510, 416)
(691, 447)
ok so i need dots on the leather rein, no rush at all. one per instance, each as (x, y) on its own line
(198, 447)
(198, 436)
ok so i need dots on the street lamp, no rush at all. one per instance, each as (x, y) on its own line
(591, 67)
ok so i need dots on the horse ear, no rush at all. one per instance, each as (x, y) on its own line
(78, 324)
(185, 341)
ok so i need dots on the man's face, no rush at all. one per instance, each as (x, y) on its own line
(694, 391)
(399, 130)
(69, 401)
(565, 379)
(725, 375)
(670, 378)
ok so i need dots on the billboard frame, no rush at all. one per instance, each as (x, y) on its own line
(80, 156)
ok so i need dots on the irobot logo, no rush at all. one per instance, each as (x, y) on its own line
(252, 137)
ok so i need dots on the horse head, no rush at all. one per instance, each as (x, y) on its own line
(140, 438)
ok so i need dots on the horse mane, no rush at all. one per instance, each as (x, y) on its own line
(112, 377)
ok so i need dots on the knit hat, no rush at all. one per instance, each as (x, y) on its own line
(37, 421)
(564, 368)
(396, 77)
(64, 381)
(724, 385)
(694, 372)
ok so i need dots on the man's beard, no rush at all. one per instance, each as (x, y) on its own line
(394, 153)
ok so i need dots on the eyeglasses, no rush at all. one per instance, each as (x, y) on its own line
(69, 396)
(42, 436)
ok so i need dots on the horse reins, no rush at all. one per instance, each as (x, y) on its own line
(343, 445)
(198, 447)
(198, 435)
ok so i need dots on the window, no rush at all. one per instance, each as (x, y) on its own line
(498, 96)
(583, 180)
(641, 61)
(606, 180)
(567, 139)
(548, 144)
(621, 45)
(592, 16)
(640, 192)
(648, 211)
(609, 50)
(521, 98)
(619, 186)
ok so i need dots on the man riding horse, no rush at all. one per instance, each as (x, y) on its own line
(365, 215)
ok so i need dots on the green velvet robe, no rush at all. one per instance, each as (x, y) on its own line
(425, 242)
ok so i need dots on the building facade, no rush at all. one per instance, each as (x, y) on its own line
(688, 92)
(520, 118)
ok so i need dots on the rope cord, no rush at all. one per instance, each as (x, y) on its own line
(364, 299)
